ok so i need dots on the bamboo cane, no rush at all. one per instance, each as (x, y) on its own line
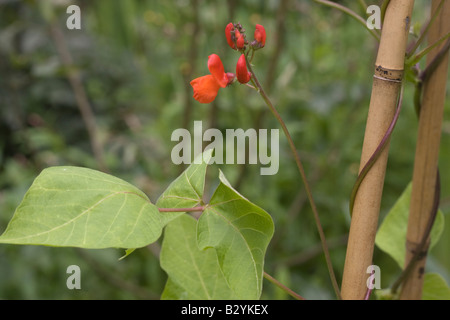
(427, 154)
(385, 91)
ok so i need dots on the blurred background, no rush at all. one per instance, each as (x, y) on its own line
(108, 97)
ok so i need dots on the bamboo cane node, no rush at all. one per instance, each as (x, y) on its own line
(421, 271)
(412, 248)
(388, 74)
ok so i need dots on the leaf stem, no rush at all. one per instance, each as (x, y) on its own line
(283, 287)
(415, 59)
(425, 31)
(303, 175)
(201, 208)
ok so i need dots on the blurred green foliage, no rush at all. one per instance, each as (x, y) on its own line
(136, 59)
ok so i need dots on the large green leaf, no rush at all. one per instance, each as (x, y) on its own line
(240, 232)
(391, 236)
(79, 207)
(193, 273)
(435, 288)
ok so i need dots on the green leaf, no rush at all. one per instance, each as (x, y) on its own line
(79, 207)
(385, 294)
(193, 273)
(435, 288)
(187, 190)
(240, 232)
(127, 253)
(391, 236)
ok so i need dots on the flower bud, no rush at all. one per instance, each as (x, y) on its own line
(235, 36)
(260, 35)
(228, 30)
(240, 41)
(242, 73)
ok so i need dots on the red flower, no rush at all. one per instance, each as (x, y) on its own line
(235, 39)
(207, 87)
(242, 73)
(260, 35)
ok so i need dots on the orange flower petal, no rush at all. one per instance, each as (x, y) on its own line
(215, 66)
(205, 88)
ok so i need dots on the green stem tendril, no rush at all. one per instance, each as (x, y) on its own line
(201, 208)
(266, 99)
(283, 287)
(352, 14)
(425, 31)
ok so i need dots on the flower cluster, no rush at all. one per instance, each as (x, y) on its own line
(207, 87)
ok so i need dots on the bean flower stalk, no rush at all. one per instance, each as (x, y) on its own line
(207, 87)
(298, 161)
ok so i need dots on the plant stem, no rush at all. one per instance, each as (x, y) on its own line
(421, 249)
(425, 186)
(303, 175)
(415, 59)
(201, 208)
(425, 31)
(283, 287)
(363, 5)
(351, 13)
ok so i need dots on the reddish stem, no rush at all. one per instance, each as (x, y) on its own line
(201, 208)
